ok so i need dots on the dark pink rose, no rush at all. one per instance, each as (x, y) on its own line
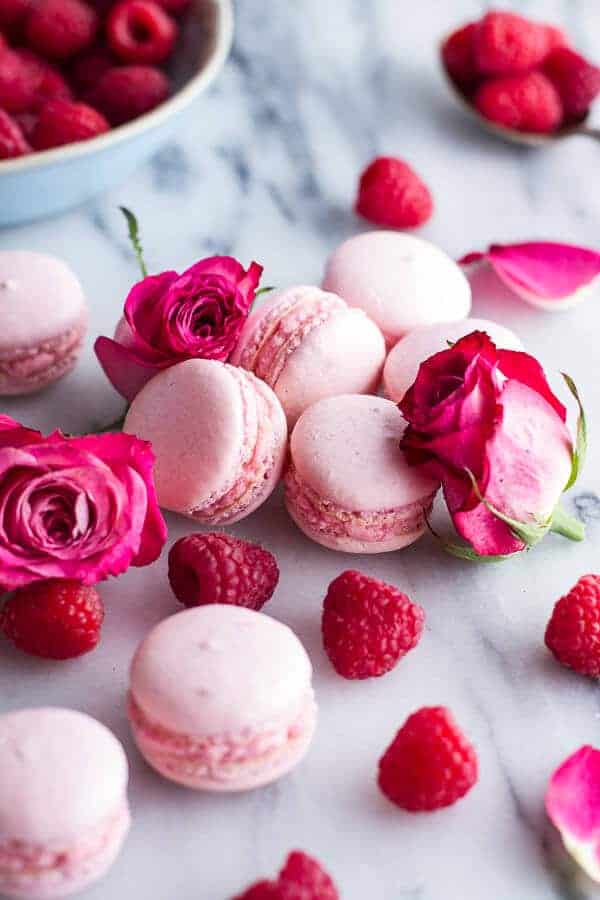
(169, 318)
(478, 411)
(75, 507)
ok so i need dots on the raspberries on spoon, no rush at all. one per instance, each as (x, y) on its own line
(368, 625)
(57, 619)
(302, 878)
(220, 568)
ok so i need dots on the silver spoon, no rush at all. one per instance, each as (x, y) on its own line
(527, 138)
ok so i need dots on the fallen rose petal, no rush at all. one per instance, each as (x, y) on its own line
(548, 275)
(573, 806)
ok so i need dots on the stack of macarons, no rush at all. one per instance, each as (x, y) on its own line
(311, 361)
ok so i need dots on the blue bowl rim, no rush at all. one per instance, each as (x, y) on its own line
(175, 104)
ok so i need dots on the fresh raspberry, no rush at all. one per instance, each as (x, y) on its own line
(59, 29)
(13, 14)
(3, 43)
(523, 102)
(19, 82)
(302, 878)
(508, 44)
(556, 37)
(88, 69)
(126, 92)
(220, 568)
(140, 31)
(368, 625)
(576, 80)
(51, 84)
(57, 619)
(429, 764)
(573, 632)
(390, 193)
(458, 57)
(64, 122)
(13, 142)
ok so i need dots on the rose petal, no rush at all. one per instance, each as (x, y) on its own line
(573, 806)
(124, 369)
(526, 369)
(146, 296)
(544, 273)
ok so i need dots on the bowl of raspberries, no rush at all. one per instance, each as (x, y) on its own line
(90, 88)
(520, 76)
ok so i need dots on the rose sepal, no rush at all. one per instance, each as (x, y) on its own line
(580, 450)
(463, 551)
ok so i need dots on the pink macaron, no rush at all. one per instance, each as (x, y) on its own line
(401, 281)
(347, 485)
(221, 698)
(43, 320)
(219, 436)
(308, 344)
(402, 365)
(63, 802)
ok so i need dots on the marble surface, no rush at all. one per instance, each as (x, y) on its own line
(265, 167)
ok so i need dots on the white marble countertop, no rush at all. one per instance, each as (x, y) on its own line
(265, 167)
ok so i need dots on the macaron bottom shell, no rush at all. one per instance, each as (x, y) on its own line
(62, 874)
(227, 764)
(30, 369)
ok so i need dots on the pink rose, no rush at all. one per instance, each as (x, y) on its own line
(81, 507)
(485, 422)
(169, 318)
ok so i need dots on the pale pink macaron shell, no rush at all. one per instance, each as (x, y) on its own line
(63, 803)
(400, 281)
(326, 348)
(221, 698)
(346, 461)
(43, 320)
(219, 436)
(403, 361)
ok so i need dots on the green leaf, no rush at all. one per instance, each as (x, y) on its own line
(134, 236)
(531, 533)
(579, 453)
(463, 551)
(264, 290)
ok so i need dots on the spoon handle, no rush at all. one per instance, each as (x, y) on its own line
(591, 132)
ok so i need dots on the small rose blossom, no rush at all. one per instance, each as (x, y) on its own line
(486, 423)
(169, 318)
(75, 507)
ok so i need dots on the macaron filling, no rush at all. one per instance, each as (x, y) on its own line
(222, 758)
(323, 515)
(42, 363)
(257, 460)
(284, 328)
(24, 865)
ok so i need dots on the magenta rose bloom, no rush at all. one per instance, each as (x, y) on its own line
(487, 425)
(75, 507)
(169, 318)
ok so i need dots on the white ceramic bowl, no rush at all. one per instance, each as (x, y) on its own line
(43, 184)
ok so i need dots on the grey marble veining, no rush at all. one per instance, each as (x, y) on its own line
(265, 167)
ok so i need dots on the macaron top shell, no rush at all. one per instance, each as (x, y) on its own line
(61, 773)
(40, 297)
(218, 670)
(347, 449)
(402, 364)
(201, 417)
(399, 280)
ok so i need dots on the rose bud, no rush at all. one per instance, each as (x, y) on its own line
(169, 318)
(486, 424)
(573, 806)
(75, 507)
